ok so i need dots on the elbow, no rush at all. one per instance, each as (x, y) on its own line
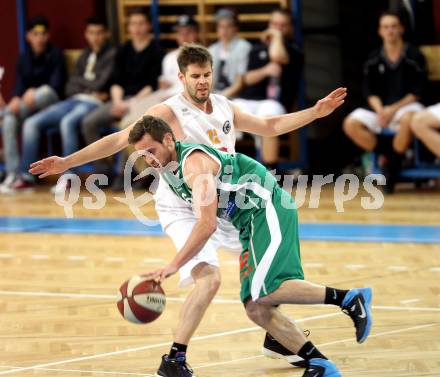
(269, 129)
(210, 226)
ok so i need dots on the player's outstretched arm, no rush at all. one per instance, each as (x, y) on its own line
(102, 148)
(281, 124)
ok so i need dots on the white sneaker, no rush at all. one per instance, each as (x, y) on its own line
(18, 185)
(5, 186)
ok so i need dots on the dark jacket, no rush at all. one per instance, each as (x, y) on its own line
(103, 71)
(33, 71)
(136, 69)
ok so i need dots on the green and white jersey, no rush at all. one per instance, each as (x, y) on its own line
(264, 214)
(243, 185)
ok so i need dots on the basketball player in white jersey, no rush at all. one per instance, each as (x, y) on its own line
(195, 116)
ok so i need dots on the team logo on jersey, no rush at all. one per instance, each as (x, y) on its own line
(227, 127)
(213, 136)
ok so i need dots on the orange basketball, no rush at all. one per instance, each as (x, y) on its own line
(141, 300)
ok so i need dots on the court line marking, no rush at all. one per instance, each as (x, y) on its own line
(142, 348)
(230, 361)
(40, 256)
(85, 371)
(76, 257)
(321, 345)
(410, 301)
(182, 299)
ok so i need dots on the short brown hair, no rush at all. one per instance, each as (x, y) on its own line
(391, 14)
(193, 54)
(155, 127)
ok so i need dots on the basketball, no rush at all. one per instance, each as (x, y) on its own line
(141, 300)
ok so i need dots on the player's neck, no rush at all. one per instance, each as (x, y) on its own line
(205, 106)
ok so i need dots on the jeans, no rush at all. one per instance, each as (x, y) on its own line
(44, 96)
(66, 115)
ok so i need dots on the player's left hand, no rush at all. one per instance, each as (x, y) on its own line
(162, 273)
(327, 105)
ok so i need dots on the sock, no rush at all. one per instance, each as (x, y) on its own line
(309, 351)
(177, 348)
(334, 296)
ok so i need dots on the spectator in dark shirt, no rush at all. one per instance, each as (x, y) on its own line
(394, 77)
(39, 83)
(137, 69)
(87, 88)
(274, 69)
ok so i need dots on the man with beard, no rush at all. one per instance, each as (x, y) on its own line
(195, 115)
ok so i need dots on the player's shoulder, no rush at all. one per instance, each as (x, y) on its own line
(162, 111)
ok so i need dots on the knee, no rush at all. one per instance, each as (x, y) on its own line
(258, 313)
(405, 121)
(207, 277)
(419, 122)
(349, 126)
(67, 125)
(30, 127)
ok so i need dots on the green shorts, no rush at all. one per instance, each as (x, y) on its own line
(271, 249)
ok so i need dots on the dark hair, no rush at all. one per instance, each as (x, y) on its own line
(155, 127)
(95, 20)
(392, 14)
(284, 11)
(139, 10)
(193, 54)
(37, 21)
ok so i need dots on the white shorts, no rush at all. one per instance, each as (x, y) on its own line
(177, 219)
(371, 120)
(434, 110)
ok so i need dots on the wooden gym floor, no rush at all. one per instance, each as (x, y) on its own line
(58, 315)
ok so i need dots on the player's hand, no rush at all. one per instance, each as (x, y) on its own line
(162, 273)
(327, 105)
(49, 166)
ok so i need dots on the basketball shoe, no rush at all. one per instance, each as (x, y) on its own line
(176, 367)
(275, 350)
(357, 305)
(321, 368)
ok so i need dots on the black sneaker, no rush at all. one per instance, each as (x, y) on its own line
(357, 305)
(174, 367)
(275, 350)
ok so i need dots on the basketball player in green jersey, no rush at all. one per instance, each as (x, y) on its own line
(240, 190)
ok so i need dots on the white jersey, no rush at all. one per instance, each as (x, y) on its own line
(215, 129)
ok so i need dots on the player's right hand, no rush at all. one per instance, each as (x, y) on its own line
(48, 166)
